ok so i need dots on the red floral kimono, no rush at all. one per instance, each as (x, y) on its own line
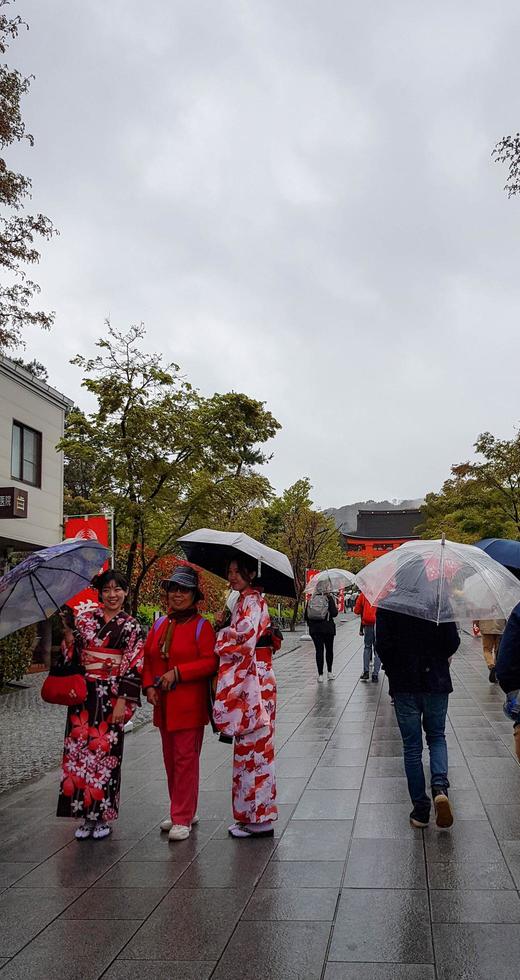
(112, 654)
(245, 707)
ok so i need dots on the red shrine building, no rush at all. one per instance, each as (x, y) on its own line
(379, 531)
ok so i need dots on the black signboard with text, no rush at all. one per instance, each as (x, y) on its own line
(13, 502)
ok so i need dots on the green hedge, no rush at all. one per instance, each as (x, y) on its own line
(16, 654)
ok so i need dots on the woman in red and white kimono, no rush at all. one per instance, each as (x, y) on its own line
(110, 648)
(245, 703)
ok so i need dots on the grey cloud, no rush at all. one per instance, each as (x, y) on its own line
(299, 200)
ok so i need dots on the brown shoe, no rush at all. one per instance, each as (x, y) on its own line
(516, 736)
(443, 811)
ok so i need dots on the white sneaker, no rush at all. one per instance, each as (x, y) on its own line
(320, 678)
(179, 832)
(168, 824)
(331, 676)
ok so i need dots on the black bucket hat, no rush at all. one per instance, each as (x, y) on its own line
(185, 576)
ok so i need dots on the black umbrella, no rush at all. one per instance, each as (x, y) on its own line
(213, 550)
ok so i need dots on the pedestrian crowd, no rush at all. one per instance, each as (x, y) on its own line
(194, 674)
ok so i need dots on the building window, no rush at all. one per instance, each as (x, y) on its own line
(26, 455)
(355, 547)
(383, 547)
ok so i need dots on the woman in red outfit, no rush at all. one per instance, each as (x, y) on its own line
(179, 657)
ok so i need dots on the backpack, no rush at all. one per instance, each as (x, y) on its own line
(318, 607)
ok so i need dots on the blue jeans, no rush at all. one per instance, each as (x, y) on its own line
(415, 712)
(368, 649)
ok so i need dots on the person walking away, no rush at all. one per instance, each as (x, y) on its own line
(109, 645)
(245, 702)
(178, 662)
(367, 612)
(491, 631)
(415, 655)
(320, 613)
(508, 672)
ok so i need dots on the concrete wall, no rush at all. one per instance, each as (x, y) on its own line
(37, 406)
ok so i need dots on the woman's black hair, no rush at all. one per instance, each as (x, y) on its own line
(100, 581)
(246, 566)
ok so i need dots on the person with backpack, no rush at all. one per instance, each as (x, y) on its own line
(179, 659)
(367, 629)
(320, 613)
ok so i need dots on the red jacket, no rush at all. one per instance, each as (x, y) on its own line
(364, 609)
(187, 705)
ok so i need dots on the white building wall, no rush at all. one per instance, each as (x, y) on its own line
(20, 400)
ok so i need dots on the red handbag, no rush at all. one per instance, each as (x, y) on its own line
(65, 684)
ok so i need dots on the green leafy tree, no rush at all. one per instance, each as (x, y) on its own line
(480, 499)
(307, 536)
(166, 459)
(18, 230)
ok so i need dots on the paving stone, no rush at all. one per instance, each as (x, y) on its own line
(385, 789)
(113, 903)
(386, 864)
(477, 951)
(505, 820)
(25, 913)
(160, 970)
(336, 777)
(464, 905)
(327, 805)
(142, 874)
(344, 757)
(13, 871)
(378, 971)
(302, 874)
(377, 821)
(402, 933)
(228, 864)
(283, 951)
(71, 949)
(466, 856)
(307, 840)
(203, 922)
(294, 903)
(290, 788)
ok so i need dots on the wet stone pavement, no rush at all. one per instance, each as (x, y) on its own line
(347, 890)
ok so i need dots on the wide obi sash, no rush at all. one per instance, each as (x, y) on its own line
(101, 663)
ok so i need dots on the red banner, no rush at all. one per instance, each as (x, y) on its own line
(310, 573)
(86, 529)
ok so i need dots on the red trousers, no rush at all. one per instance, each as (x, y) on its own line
(181, 753)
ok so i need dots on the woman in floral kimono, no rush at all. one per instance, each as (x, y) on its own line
(245, 703)
(110, 647)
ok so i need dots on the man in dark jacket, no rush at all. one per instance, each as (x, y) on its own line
(508, 671)
(415, 654)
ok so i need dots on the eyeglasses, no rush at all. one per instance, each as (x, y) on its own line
(180, 588)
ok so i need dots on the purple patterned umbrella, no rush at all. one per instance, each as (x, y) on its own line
(40, 584)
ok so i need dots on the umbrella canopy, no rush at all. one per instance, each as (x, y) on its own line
(40, 584)
(442, 581)
(213, 550)
(504, 550)
(330, 580)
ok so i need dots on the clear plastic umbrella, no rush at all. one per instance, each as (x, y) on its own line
(330, 580)
(442, 581)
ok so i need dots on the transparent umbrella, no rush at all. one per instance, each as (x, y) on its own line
(442, 581)
(330, 580)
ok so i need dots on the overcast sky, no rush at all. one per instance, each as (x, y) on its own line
(297, 198)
